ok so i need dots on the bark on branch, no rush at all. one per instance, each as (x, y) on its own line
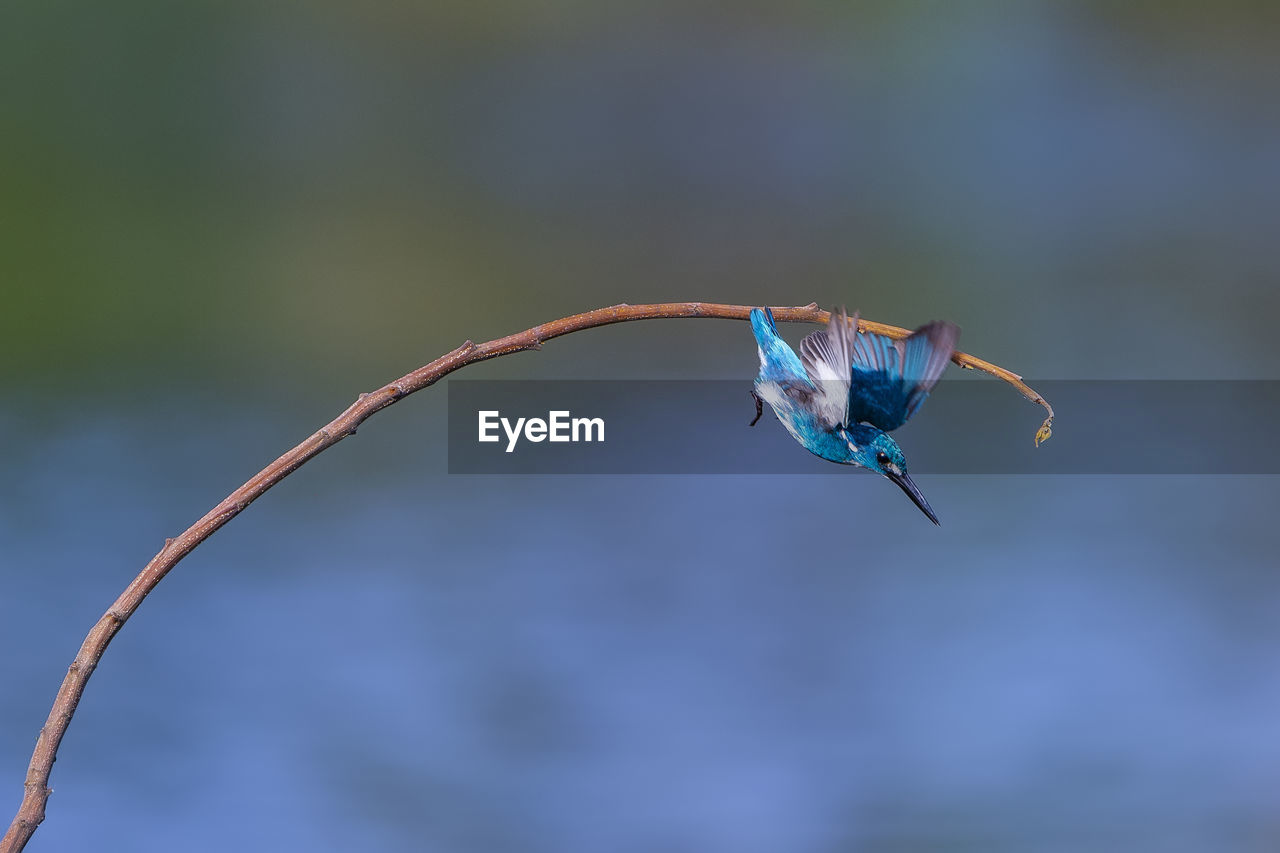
(36, 794)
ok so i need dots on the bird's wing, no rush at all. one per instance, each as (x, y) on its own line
(891, 379)
(925, 355)
(828, 359)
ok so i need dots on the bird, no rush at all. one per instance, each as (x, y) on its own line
(847, 390)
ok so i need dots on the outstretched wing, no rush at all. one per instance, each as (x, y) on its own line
(828, 359)
(891, 379)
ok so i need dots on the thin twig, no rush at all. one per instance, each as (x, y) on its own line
(32, 810)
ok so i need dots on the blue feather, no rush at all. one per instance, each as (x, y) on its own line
(778, 362)
(892, 379)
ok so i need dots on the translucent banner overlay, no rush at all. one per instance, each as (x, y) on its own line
(966, 427)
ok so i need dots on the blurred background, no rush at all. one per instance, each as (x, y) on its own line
(220, 222)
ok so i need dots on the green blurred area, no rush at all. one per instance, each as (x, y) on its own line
(242, 192)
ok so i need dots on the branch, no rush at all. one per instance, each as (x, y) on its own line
(32, 811)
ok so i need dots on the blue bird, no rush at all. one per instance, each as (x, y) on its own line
(847, 390)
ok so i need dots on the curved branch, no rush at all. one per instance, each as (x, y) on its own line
(32, 810)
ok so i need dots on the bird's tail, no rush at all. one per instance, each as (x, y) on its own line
(766, 330)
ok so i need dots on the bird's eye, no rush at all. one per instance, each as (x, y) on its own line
(882, 458)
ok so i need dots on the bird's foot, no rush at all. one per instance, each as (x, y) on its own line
(759, 407)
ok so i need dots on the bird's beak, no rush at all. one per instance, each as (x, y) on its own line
(913, 491)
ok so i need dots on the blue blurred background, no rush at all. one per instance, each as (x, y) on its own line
(222, 221)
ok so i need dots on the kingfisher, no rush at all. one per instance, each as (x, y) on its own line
(848, 390)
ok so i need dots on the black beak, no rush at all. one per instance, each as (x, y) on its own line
(913, 491)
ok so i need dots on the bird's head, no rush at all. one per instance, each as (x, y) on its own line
(883, 455)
